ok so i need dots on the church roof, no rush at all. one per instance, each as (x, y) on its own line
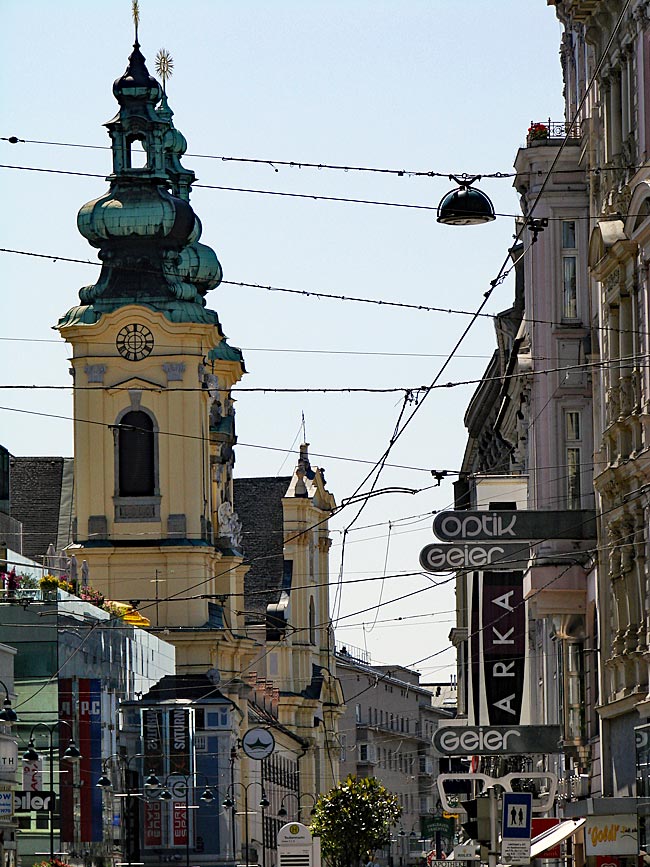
(258, 503)
(146, 231)
(37, 491)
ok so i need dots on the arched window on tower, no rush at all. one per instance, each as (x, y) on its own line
(136, 455)
(137, 486)
(312, 621)
(136, 153)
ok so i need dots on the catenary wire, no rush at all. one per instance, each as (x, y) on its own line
(421, 308)
(299, 164)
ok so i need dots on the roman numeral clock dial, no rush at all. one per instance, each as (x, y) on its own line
(134, 342)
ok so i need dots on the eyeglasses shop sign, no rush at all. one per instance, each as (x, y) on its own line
(496, 740)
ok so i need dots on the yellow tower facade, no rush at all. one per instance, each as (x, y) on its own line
(153, 416)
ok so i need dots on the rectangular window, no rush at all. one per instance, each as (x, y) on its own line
(569, 288)
(573, 478)
(568, 234)
(572, 426)
(569, 270)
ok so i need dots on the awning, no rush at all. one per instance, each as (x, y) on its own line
(554, 836)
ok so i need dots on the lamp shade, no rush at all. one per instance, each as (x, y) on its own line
(465, 206)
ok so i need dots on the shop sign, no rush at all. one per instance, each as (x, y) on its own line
(37, 802)
(6, 805)
(152, 824)
(258, 743)
(179, 741)
(496, 740)
(541, 824)
(179, 821)
(467, 526)
(497, 648)
(449, 558)
(8, 759)
(611, 835)
(33, 775)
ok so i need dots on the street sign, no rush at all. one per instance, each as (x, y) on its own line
(431, 824)
(496, 740)
(467, 526)
(475, 555)
(258, 743)
(515, 828)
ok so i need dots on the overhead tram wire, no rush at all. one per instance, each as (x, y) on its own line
(420, 308)
(639, 360)
(305, 164)
(315, 197)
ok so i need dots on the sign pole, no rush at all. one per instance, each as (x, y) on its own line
(494, 839)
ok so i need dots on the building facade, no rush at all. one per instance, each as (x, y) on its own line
(150, 508)
(386, 733)
(565, 420)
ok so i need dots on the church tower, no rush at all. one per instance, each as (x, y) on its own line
(153, 416)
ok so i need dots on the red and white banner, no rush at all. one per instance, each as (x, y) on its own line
(152, 824)
(179, 821)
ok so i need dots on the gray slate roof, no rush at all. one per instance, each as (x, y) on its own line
(258, 503)
(35, 496)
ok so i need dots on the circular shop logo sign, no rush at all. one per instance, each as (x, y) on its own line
(258, 743)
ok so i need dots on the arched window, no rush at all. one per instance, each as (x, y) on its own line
(136, 455)
(312, 621)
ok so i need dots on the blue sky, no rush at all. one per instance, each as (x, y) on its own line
(435, 86)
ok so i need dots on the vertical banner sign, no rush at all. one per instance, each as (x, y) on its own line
(152, 722)
(153, 824)
(179, 741)
(90, 745)
(180, 824)
(497, 649)
(504, 646)
(33, 776)
(474, 647)
(66, 796)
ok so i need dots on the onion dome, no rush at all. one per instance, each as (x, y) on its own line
(144, 226)
(136, 83)
(136, 212)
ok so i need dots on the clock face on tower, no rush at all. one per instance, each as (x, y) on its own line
(134, 342)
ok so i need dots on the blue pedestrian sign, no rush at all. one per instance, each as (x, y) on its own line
(517, 814)
(515, 828)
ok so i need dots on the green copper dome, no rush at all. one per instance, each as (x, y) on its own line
(144, 227)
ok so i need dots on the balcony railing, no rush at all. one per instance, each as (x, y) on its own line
(550, 131)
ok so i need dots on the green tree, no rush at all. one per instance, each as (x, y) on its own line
(353, 820)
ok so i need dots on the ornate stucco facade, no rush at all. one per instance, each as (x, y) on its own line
(155, 511)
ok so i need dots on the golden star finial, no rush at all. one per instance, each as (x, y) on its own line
(164, 66)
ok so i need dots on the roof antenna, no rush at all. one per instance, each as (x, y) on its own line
(135, 12)
(304, 429)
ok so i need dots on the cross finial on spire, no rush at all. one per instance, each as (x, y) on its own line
(164, 66)
(135, 11)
